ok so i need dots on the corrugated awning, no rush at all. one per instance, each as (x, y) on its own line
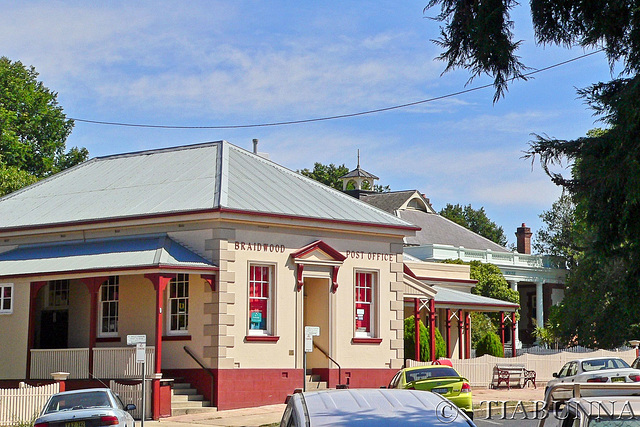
(453, 299)
(134, 253)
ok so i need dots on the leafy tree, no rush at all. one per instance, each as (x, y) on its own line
(481, 325)
(12, 179)
(490, 344)
(326, 174)
(602, 297)
(33, 128)
(425, 344)
(475, 220)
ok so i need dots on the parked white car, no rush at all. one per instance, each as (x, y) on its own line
(607, 409)
(93, 407)
(593, 370)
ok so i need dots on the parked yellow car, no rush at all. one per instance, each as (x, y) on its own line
(440, 379)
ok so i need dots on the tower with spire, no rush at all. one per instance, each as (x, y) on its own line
(358, 177)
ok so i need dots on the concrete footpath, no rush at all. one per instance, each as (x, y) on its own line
(271, 414)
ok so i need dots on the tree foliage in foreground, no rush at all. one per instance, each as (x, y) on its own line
(33, 129)
(475, 220)
(602, 298)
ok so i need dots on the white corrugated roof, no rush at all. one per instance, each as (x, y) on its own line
(182, 179)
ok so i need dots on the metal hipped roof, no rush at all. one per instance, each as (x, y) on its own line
(453, 299)
(157, 252)
(181, 180)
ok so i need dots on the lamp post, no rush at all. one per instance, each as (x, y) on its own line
(635, 344)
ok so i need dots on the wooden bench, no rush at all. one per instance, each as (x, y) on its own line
(506, 375)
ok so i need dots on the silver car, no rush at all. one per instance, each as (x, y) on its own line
(593, 370)
(371, 408)
(85, 408)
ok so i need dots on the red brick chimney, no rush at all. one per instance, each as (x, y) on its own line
(523, 237)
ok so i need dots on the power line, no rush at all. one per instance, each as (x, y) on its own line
(326, 118)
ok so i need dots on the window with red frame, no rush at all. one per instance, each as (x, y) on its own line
(260, 281)
(365, 282)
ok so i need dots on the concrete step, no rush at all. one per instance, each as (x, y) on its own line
(184, 391)
(186, 400)
(184, 411)
(316, 385)
(186, 397)
(191, 404)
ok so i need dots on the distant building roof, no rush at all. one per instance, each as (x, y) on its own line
(193, 178)
(436, 229)
(395, 200)
(413, 207)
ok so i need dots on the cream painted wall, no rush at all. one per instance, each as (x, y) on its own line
(79, 315)
(439, 270)
(362, 254)
(13, 334)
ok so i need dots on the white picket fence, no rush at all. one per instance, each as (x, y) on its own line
(22, 405)
(133, 394)
(479, 370)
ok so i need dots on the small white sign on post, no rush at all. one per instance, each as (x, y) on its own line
(309, 333)
(141, 349)
(136, 339)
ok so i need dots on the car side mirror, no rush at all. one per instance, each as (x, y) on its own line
(555, 375)
(130, 407)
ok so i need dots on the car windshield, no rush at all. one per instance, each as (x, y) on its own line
(600, 364)
(614, 422)
(65, 402)
(423, 374)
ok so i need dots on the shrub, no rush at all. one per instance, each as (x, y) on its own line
(490, 344)
(425, 345)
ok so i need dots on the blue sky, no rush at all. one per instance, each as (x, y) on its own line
(208, 63)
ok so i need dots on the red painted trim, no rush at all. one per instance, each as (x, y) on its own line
(408, 271)
(513, 334)
(460, 334)
(34, 288)
(300, 282)
(432, 329)
(211, 280)
(334, 279)
(448, 333)
(114, 269)
(467, 334)
(416, 333)
(256, 338)
(160, 282)
(176, 338)
(200, 212)
(355, 340)
(109, 339)
(93, 285)
(502, 328)
(318, 244)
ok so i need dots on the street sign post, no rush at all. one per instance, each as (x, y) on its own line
(309, 333)
(140, 341)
